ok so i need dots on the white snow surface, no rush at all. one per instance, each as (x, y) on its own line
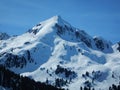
(49, 49)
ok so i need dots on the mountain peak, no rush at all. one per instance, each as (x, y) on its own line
(49, 23)
(56, 19)
(56, 26)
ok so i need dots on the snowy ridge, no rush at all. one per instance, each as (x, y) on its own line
(59, 54)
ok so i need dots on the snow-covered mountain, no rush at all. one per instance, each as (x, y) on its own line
(59, 54)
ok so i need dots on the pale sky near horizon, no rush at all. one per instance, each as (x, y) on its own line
(96, 17)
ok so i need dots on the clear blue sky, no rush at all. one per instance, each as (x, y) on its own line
(96, 17)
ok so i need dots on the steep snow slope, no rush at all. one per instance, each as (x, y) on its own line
(59, 54)
(103, 69)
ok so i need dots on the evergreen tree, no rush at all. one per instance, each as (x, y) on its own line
(14, 81)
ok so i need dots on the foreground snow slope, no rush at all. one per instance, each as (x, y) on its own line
(59, 54)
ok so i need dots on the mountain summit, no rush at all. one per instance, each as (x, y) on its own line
(56, 26)
(55, 52)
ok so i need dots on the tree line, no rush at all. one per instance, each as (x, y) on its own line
(9, 79)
